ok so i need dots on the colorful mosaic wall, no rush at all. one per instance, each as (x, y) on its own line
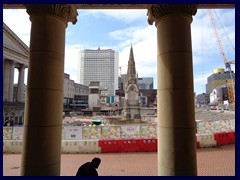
(210, 127)
(111, 132)
(7, 133)
(148, 131)
(91, 132)
(17, 133)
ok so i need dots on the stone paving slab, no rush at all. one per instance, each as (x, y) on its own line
(216, 161)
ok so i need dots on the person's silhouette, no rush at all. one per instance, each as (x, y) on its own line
(89, 168)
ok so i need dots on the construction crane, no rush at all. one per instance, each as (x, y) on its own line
(230, 82)
(120, 68)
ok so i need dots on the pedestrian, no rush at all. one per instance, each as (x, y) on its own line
(89, 168)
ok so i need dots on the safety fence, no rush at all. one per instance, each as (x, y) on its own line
(128, 145)
(123, 145)
(150, 144)
(92, 132)
(124, 138)
(216, 139)
(123, 131)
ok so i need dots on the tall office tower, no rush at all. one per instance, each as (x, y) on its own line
(100, 65)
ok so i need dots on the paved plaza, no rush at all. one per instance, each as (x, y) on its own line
(215, 161)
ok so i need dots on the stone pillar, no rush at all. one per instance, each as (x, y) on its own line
(6, 79)
(20, 90)
(41, 153)
(175, 101)
(11, 81)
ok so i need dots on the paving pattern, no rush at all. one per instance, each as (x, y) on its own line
(216, 161)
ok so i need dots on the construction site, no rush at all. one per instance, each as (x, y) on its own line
(221, 84)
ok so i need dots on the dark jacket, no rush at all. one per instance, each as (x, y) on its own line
(89, 168)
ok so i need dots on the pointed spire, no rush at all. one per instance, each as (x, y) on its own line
(131, 63)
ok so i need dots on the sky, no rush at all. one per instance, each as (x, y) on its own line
(118, 29)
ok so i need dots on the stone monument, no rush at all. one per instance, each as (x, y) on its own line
(131, 107)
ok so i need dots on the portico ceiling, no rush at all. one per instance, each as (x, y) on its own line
(123, 6)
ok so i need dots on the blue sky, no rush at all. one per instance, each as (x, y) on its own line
(117, 29)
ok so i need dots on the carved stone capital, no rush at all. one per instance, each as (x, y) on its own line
(21, 66)
(11, 62)
(157, 11)
(65, 11)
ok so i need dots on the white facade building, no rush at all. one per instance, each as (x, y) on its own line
(100, 65)
(219, 95)
(94, 97)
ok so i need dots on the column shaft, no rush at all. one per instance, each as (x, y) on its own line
(6, 80)
(44, 107)
(11, 81)
(41, 154)
(176, 117)
(20, 89)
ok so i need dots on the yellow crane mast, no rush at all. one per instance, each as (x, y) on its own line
(230, 82)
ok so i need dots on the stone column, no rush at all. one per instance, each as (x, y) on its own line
(6, 79)
(175, 102)
(11, 81)
(20, 90)
(41, 153)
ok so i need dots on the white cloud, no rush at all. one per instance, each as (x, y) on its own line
(18, 21)
(71, 65)
(125, 15)
(123, 34)
(200, 78)
(144, 43)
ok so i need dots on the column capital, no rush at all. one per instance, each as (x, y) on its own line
(9, 60)
(156, 11)
(21, 66)
(12, 62)
(65, 11)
